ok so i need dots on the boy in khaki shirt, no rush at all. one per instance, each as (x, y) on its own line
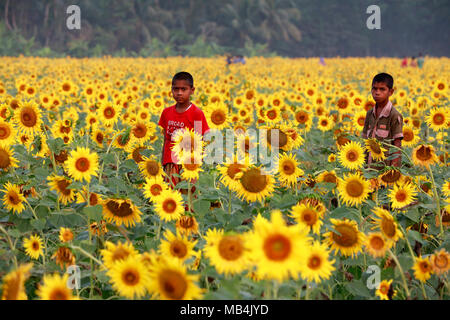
(383, 121)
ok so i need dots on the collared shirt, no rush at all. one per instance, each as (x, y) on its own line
(388, 126)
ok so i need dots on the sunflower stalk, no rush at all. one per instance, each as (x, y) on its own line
(103, 162)
(438, 205)
(87, 254)
(402, 274)
(8, 238)
(42, 233)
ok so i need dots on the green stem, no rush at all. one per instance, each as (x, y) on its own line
(229, 201)
(10, 244)
(103, 162)
(423, 291)
(438, 205)
(405, 285)
(87, 254)
(276, 286)
(307, 292)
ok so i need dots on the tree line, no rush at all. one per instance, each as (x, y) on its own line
(159, 28)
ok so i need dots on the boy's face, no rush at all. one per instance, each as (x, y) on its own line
(181, 91)
(381, 92)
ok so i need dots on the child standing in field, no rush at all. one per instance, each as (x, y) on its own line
(383, 121)
(183, 114)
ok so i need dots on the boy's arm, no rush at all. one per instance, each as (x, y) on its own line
(397, 135)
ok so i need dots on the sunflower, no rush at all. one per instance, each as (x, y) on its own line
(141, 131)
(13, 198)
(54, 287)
(117, 252)
(317, 266)
(191, 165)
(121, 211)
(272, 115)
(246, 145)
(391, 177)
(33, 246)
(136, 152)
(385, 222)
(254, 185)
(295, 138)
(187, 225)
(346, 238)
(83, 197)
(60, 184)
(422, 269)
(170, 281)
(64, 257)
(7, 159)
(446, 188)
(385, 290)
(217, 116)
(65, 234)
(150, 167)
(153, 187)
(438, 118)
(440, 261)
(377, 245)
(325, 123)
(351, 155)
(360, 119)
(424, 155)
(288, 170)
(353, 189)
(226, 252)
(7, 133)
(82, 164)
(229, 172)
(186, 141)
(28, 118)
(130, 277)
(307, 216)
(375, 149)
(98, 228)
(410, 136)
(14, 283)
(328, 177)
(108, 113)
(278, 136)
(169, 205)
(177, 246)
(402, 195)
(277, 249)
(331, 158)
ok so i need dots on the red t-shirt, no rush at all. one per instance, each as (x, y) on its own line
(171, 120)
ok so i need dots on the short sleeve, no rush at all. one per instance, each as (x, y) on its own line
(205, 126)
(162, 120)
(397, 126)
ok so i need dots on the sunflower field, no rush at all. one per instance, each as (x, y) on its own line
(86, 211)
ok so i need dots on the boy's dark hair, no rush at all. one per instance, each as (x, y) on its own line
(384, 77)
(183, 76)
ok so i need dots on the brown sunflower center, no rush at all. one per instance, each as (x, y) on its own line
(93, 199)
(377, 243)
(384, 289)
(173, 284)
(119, 254)
(277, 247)
(388, 227)
(314, 262)
(391, 176)
(282, 137)
(329, 177)
(140, 130)
(218, 117)
(425, 266)
(401, 196)
(438, 119)
(169, 206)
(62, 187)
(155, 189)
(152, 167)
(5, 131)
(231, 248)
(109, 112)
(58, 294)
(186, 222)
(28, 117)
(301, 117)
(130, 277)
(35, 245)
(309, 217)
(253, 181)
(99, 137)
(348, 236)
(408, 135)
(119, 210)
(441, 261)
(66, 87)
(352, 155)
(178, 249)
(82, 164)
(288, 167)
(13, 198)
(374, 147)
(354, 188)
(342, 103)
(5, 161)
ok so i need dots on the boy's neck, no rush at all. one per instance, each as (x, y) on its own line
(381, 105)
(182, 107)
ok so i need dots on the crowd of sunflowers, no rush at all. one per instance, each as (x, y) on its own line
(82, 182)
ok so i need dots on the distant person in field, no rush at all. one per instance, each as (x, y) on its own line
(322, 61)
(420, 60)
(181, 115)
(413, 62)
(405, 62)
(384, 122)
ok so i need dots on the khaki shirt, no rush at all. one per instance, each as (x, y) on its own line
(388, 126)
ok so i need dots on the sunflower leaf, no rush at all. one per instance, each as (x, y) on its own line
(415, 236)
(94, 213)
(358, 288)
(38, 224)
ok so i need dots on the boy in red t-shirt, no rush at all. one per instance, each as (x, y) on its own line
(183, 114)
